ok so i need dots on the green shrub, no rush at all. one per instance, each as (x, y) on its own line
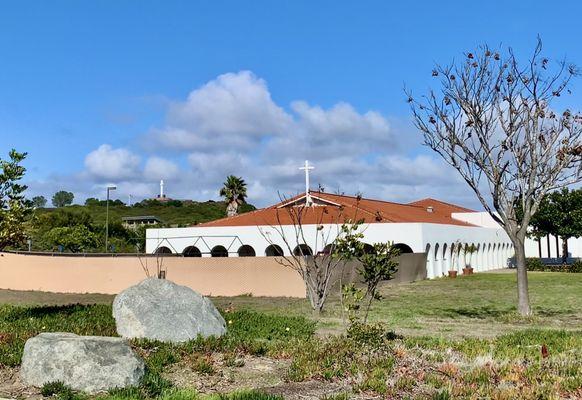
(534, 264)
(576, 267)
(126, 393)
(59, 390)
(249, 395)
(52, 388)
(154, 385)
(204, 366)
(373, 335)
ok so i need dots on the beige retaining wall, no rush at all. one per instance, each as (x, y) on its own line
(261, 276)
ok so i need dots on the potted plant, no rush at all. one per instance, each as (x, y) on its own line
(468, 250)
(455, 253)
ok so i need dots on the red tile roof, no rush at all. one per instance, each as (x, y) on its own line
(333, 208)
(448, 207)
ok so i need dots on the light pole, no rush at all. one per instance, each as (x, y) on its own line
(109, 189)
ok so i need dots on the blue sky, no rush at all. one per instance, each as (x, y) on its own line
(134, 91)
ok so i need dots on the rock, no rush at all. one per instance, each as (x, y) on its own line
(160, 309)
(87, 363)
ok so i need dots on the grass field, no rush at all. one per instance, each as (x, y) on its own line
(457, 338)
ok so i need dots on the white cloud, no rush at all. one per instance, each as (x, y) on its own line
(233, 110)
(107, 163)
(157, 168)
(231, 125)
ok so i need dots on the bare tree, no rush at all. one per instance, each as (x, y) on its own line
(496, 122)
(160, 270)
(317, 270)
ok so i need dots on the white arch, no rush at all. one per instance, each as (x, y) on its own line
(436, 261)
(429, 262)
(444, 260)
(459, 258)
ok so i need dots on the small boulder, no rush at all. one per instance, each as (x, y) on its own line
(161, 310)
(87, 363)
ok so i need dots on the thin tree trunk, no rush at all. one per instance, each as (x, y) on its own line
(523, 306)
(564, 250)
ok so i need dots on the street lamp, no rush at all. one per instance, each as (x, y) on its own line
(109, 189)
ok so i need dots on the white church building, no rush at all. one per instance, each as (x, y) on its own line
(428, 226)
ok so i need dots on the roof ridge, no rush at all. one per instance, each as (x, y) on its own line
(442, 202)
(369, 199)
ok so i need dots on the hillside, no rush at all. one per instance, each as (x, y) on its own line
(173, 214)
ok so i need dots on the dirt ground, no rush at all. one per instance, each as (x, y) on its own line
(256, 373)
(11, 386)
(261, 373)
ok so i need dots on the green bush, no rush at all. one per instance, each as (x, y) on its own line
(576, 267)
(372, 335)
(535, 264)
(249, 395)
(154, 385)
(59, 390)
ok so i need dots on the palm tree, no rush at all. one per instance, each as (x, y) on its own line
(234, 192)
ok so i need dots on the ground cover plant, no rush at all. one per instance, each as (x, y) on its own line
(446, 338)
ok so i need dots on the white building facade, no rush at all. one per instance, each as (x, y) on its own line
(439, 229)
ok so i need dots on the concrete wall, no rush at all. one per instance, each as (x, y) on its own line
(411, 268)
(261, 276)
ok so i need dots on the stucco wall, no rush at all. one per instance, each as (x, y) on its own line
(411, 268)
(261, 276)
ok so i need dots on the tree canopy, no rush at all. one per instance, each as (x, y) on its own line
(496, 121)
(559, 214)
(62, 198)
(234, 191)
(38, 201)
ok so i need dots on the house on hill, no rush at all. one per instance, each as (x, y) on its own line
(134, 222)
(308, 223)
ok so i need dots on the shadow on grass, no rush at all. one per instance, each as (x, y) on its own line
(478, 312)
(502, 314)
(18, 313)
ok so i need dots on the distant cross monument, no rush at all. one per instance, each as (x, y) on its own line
(162, 189)
(306, 167)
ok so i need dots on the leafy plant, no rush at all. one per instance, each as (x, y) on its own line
(74, 239)
(14, 208)
(60, 390)
(378, 263)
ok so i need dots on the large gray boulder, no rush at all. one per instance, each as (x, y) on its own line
(87, 363)
(160, 309)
